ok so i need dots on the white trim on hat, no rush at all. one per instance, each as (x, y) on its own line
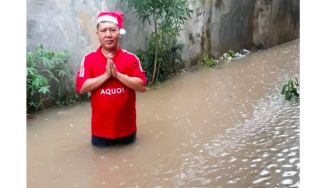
(107, 18)
(122, 31)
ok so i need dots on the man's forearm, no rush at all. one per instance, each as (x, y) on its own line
(132, 82)
(93, 83)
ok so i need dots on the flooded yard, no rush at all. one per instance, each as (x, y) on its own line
(227, 126)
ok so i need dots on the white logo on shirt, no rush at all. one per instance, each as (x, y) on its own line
(112, 91)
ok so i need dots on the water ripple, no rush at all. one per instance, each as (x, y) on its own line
(265, 146)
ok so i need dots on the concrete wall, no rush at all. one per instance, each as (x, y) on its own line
(71, 25)
(215, 26)
(276, 22)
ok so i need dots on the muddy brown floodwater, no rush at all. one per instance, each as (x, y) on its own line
(222, 127)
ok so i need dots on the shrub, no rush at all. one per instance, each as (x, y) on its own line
(47, 70)
(168, 18)
(290, 90)
(208, 61)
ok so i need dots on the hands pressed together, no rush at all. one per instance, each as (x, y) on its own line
(111, 69)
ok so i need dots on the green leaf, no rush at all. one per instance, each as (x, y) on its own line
(44, 90)
(32, 104)
(62, 73)
(290, 90)
(31, 71)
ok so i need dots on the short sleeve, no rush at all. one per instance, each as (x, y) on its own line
(137, 71)
(83, 74)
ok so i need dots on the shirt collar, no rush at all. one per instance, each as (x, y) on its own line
(100, 51)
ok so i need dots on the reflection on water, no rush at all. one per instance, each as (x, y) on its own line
(223, 127)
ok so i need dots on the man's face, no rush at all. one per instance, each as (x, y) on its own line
(109, 35)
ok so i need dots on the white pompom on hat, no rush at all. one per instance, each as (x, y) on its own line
(115, 17)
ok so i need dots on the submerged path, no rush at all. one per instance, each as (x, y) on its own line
(222, 127)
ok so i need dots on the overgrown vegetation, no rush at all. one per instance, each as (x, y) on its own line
(208, 61)
(232, 54)
(290, 90)
(48, 73)
(161, 57)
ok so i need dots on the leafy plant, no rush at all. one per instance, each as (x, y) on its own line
(290, 90)
(208, 61)
(48, 73)
(231, 53)
(37, 85)
(168, 17)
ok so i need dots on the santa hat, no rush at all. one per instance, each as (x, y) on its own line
(115, 17)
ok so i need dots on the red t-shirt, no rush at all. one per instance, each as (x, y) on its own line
(112, 104)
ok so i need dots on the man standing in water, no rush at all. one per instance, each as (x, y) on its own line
(112, 75)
